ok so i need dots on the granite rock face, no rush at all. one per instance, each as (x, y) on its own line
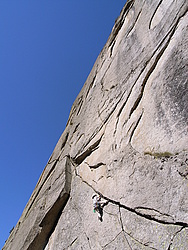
(126, 139)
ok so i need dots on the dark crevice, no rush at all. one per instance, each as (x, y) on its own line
(134, 107)
(184, 175)
(64, 141)
(79, 138)
(154, 210)
(123, 105)
(132, 27)
(119, 22)
(51, 218)
(91, 85)
(146, 216)
(48, 224)
(112, 47)
(154, 13)
(152, 68)
(96, 166)
(72, 242)
(76, 128)
(80, 103)
(136, 125)
(133, 210)
(79, 159)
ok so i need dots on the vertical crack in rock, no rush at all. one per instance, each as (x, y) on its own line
(91, 85)
(129, 234)
(173, 236)
(134, 23)
(51, 218)
(136, 125)
(64, 141)
(154, 13)
(88, 240)
(122, 227)
(137, 101)
(152, 68)
(80, 103)
(127, 98)
(119, 22)
(76, 128)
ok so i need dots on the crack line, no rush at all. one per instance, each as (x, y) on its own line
(88, 240)
(136, 125)
(80, 158)
(173, 236)
(155, 210)
(121, 222)
(133, 210)
(129, 234)
(170, 34)
(154, 13)
(112, 240)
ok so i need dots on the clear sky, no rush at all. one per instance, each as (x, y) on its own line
(47, 50)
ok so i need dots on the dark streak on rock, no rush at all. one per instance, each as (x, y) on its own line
(90, 86)
(80, 103)
(146, 216)
(107, 244)
(172, 239)
(154, 13)
(123, 230)
(170, 34)
(96, 166)
(133, 210)
(136, 125)
(76, 128)
(64, 141)
(132, 27)
(79, 159)
(119, 22)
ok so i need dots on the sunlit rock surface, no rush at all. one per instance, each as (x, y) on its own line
(126, 139)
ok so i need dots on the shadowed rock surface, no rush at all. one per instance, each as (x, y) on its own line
(126, 139)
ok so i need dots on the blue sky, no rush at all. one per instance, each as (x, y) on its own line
(47, 50)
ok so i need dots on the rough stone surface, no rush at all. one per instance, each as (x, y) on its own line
(126, 139)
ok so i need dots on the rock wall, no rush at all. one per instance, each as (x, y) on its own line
(126, 139)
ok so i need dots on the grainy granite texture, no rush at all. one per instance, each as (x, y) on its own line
(126, 139)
